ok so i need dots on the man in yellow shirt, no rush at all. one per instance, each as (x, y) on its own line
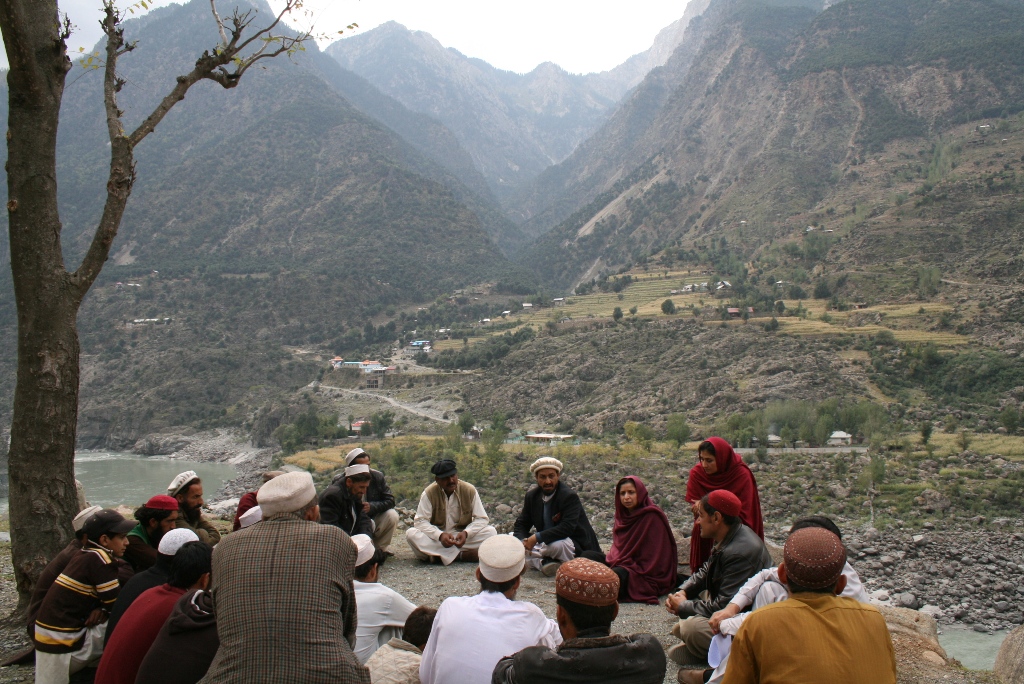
(814, 635)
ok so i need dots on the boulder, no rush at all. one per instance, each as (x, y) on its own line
(913, 623)
(1010, 661)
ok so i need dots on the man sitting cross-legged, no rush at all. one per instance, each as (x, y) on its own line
(398, 661)
(341, 504)
(380, 611)
(450, 522)
(814, 635)
(587, 595)
(472, 633)
(738, 553)
(556, 513)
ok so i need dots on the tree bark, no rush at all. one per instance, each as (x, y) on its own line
(41, 459)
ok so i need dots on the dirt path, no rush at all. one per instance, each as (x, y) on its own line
(410, 408)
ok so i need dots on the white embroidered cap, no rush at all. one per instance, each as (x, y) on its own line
(353, 455)
(175, 539)
(251, 516)
(502, 558)
(364, 548)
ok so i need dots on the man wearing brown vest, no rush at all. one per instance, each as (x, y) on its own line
(450, 521)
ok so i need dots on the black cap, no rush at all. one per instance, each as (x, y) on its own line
(107, 522)
(444, 468)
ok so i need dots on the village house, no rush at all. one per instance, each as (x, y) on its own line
(840, 438)
(547, 438)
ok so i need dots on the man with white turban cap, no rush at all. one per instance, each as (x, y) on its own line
(472, 633)
(555, 511)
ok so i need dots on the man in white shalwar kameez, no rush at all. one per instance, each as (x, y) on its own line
(450, 522)
(472, 633)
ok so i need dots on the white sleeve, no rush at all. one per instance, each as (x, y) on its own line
(551, 637)
(427, 660)
(748, 592)
(422, 520)
(480, 520)
(854, 588)
(399, 610)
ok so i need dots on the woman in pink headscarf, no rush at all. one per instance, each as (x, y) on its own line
(643, 552)
(719, 467)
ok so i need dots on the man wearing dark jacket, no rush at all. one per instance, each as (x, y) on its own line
(341, 504)
(586, 593)
(738, 554)
(556, 513)
(379, 503)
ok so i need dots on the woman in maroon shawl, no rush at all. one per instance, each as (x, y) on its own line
(719, 467)
(643, 548)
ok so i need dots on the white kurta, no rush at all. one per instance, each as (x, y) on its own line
(423, 537)
(381, 613)
(472, 633)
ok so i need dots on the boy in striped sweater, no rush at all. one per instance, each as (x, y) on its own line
(68, 631)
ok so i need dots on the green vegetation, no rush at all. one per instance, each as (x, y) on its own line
(807, 421)
(677, 429)
(478, 356)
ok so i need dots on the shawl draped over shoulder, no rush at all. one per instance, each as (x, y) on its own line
(643, 545)
(734, 475)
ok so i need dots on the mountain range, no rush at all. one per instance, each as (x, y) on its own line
(312, 209)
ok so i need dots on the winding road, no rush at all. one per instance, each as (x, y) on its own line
(410, 408)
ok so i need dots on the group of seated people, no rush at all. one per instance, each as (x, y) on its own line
(282, 599)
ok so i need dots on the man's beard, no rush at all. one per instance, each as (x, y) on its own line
(192, 515)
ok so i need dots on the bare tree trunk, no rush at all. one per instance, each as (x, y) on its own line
(41, 459)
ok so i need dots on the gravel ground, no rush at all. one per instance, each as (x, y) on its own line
(430, 584)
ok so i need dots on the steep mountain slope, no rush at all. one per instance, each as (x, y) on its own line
(763, 113)
(274, 214)
(513, 125)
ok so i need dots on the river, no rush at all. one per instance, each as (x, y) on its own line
(976, 650)
(111, 478)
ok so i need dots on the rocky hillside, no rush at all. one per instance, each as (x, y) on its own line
(768, 111)
(272, 215)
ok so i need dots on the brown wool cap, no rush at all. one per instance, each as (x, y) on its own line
(814, 558)
(725, 502)
(587, 582)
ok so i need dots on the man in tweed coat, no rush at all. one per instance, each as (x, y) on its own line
(283, 596)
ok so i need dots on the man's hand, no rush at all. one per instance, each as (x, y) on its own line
(695, 507)
(447, 540)
(673, 601)
(461, 538)
(366, 507)
(715, 620)
(530, 542)
(96, 617)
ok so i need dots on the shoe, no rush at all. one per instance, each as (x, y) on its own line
(550, 569)
(685, 676)
(389, 554)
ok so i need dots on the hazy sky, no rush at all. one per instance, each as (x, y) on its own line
(579, 35)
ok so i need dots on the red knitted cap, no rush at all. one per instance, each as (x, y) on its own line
(162, 502)
(725, 502)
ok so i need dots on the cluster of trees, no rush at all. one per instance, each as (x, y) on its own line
(808, 421)
(312, 429)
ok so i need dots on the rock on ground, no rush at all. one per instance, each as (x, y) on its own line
(1010, 661)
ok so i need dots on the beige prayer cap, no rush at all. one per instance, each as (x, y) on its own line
(79, 520)
(545, 462)
(501, 558)
(364, 548)
(180, 481)
(171, 542)
(286, 494)
(353, 455)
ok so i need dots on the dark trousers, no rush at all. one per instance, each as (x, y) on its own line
(621, 572)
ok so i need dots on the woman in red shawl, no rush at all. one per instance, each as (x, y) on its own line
(719, 467)
(643, 549)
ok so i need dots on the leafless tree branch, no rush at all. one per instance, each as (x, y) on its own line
(220, 22)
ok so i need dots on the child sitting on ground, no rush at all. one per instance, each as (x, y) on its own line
(68, 633)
